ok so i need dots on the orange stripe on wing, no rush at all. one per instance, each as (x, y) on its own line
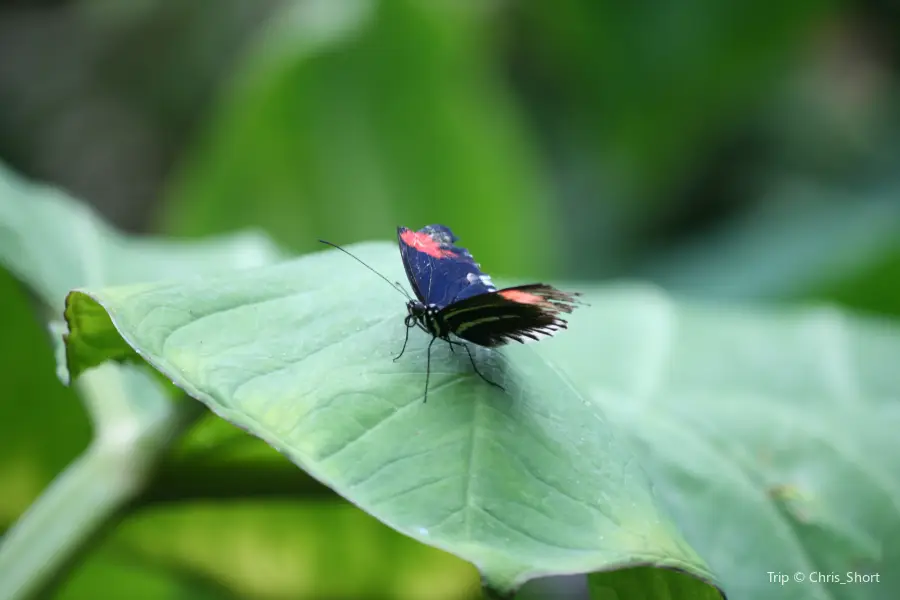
(521, 297)
(425, 243)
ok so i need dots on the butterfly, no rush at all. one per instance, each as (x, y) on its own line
(454, 296)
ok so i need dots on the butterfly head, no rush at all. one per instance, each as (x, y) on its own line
(415, 313)
(424, 316)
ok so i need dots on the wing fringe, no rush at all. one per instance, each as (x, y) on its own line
(526, 313)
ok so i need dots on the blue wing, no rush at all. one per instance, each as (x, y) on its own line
(440, 272)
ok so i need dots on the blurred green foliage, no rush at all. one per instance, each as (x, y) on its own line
(579, 138)
(352, 118)
(270, 549)
(649, 89)
(42, 424)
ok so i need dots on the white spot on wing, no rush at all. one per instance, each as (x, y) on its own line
(482, 278)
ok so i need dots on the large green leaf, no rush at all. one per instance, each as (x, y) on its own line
(388, 111)
(523, 483)
(771, 435)
(43, 427)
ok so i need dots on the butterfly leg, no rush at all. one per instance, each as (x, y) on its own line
(428, 369)
(472, 360)
(402, 350)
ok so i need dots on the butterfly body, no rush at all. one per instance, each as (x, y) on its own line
(455, 297)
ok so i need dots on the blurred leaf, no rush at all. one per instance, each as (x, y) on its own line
(493, 477)
(219, 440)
(874, 286)
(645, 109)
(770, 435)
(650, 87)
(650, 584)
(292, 550)
(34, 407)
(113, 572)
(386, 111)
(804, 241)
(54, 244)
(871, 280)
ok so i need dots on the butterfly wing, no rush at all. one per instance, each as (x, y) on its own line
(522, 313)
(440, 272)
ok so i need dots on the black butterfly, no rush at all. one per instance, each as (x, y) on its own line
(455, 297)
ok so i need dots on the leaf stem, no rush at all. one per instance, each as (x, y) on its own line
(91, 491)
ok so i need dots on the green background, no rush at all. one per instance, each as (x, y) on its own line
(742, 154)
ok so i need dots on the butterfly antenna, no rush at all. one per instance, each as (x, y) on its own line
(359, 260)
